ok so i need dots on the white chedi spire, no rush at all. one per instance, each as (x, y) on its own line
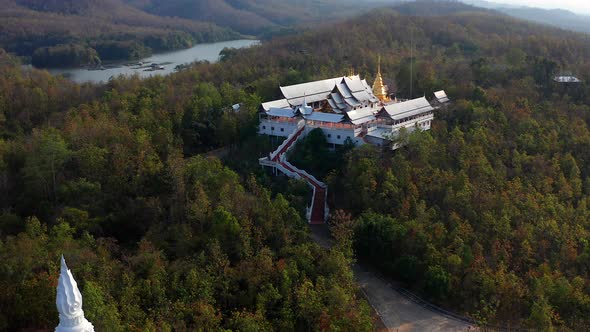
(69, 303)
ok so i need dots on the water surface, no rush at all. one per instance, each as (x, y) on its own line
(169, 61)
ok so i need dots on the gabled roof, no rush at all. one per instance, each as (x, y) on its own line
(332, 104)
(281, 103)
(567, 79)
(363, 120)
(359, 89)
(352, 101)
(282, 112)
(335, 106)
(382, 133)
(354, 83)
(361, 116)
(337, 98)
(310, 91)
(441, 96)
(408, 108)
(366, 84)
(325, 117)
(360, 113)
(343, 90)
(362, 96)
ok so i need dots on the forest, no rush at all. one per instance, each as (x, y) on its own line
(86, 32)
(158, 241)
(486, 214)
(258, 17)
(72, 33)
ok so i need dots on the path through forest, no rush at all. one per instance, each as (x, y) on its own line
(398, 312)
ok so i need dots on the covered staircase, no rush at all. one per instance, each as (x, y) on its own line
(318, 212)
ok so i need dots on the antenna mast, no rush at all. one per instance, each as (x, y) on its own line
(411, 61)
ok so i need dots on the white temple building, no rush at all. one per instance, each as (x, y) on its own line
(347, 109)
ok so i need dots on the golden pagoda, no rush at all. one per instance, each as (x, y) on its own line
(380, 89)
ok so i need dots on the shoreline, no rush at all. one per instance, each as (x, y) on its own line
(124, 62)
(157, 64)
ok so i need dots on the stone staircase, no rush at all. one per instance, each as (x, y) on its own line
(318, 212)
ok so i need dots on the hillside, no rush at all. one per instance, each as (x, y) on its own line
(564, 19)
(254, 16)
(436, 8)
(556, 17)
(486, 214)
(107, 30)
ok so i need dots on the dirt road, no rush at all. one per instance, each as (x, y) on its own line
(398, 312)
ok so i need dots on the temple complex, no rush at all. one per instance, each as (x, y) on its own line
(348, 111)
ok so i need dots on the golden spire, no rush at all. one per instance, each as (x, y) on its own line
(379, 89)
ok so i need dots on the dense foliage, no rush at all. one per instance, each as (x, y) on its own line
(84, 32)
(313, 154)
(486, 213)
(157, 241)
(131, 29)
(70, 55)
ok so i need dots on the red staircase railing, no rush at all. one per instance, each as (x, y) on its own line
(317, 213)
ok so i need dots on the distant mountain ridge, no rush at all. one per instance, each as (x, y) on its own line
(435, 8)
(561, 18)
(252, 16)
(75, 32)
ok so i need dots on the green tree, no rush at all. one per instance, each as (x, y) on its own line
(46, 161)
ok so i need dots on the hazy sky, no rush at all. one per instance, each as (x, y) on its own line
(579, 6)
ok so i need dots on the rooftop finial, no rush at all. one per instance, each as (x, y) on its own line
(351, 73)
(69, 303)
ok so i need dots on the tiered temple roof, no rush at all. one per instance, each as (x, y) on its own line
(351, 92)
(341, 93)
(347, 99)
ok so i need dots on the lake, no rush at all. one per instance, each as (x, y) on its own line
(168, 62)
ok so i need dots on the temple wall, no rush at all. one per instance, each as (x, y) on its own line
(376, 141)
(276, 128)
(339, 136)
